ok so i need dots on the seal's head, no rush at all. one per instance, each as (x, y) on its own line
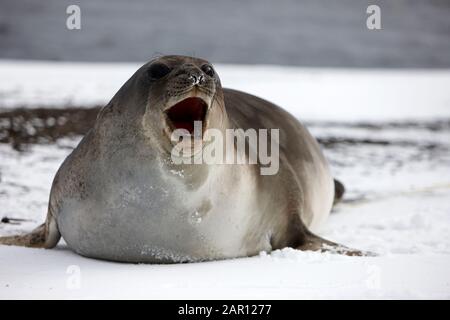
(183, 93)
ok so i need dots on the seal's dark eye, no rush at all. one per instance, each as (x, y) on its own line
(206, 68)
(158, 70)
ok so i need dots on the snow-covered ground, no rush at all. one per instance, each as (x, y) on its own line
(386, 134)
(310, 93)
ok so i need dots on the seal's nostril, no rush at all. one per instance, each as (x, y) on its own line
(193, 79)
(201, 79)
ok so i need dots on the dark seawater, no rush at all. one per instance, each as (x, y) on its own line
(415, 33)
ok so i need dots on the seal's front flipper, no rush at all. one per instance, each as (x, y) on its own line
(316, 243)
(45, 236)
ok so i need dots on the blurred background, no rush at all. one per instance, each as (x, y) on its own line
(323, 33)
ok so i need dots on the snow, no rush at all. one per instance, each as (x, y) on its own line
(393, 160)
(310, 93)
(288, 273)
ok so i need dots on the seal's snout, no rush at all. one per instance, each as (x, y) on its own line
(196, 79)
(189, 97)
(188, 79)
(191, 94)
(190, 75)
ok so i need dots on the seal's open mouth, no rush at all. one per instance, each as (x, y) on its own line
(183, 114)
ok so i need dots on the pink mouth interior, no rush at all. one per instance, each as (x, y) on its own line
(184, 113)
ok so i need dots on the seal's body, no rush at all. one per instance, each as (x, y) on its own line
(119, 195)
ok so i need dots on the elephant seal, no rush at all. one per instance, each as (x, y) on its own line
(119, 195)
